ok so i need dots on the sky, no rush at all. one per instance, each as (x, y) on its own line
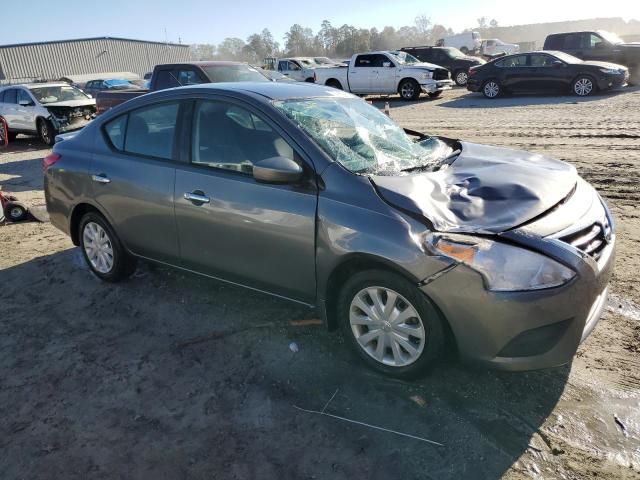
(210, 21)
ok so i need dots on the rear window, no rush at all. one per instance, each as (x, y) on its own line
(151, 131)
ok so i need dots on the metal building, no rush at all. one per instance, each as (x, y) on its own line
(54, 60)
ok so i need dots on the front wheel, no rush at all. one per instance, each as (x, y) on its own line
(461, 77)
(47, 132)
(102, 250)
(583, 86)
(409, 89)
(390, 324)
(491, 89)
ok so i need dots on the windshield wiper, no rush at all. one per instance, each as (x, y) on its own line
(448, 160)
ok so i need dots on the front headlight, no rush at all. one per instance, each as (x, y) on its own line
(426, 75)
(503, 267)
(612, 71)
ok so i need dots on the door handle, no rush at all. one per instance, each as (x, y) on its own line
(101, 178)
(197, 197)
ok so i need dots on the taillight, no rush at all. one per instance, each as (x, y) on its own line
(50, 160)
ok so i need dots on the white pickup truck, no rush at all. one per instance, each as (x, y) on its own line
(495, 46)
(386, 73)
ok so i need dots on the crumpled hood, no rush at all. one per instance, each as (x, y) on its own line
(421, 66)
(72, 103)
(485, 190)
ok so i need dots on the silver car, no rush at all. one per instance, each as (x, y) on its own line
(45, 109)
(411, 244)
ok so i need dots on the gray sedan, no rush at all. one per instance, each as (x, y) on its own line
(410, 244)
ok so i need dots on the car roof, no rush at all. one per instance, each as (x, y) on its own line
(272, 90)
(35, 85)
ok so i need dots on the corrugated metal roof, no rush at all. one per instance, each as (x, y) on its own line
(53, 60)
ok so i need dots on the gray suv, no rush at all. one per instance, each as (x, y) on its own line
(409, 243)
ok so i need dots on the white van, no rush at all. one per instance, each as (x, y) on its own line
(466, 42)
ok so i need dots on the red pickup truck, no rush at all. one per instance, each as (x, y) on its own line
(180, 75)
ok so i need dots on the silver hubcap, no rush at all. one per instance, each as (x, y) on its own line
(386, 326)
(98, 247)
(44, 132)
(407, 90)
(491, 89)
(461, 78)
(15, 212)
(582, 87)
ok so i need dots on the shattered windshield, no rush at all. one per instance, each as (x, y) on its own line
(404, 58)
(361, 138)
(55, 94)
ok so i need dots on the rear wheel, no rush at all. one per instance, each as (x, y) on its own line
(583, 86)
(491, 89)
(47, 132)
(102, 249)
(409, 89)
(390, 324)
(334, 84)
(15, 212)
(461, 77)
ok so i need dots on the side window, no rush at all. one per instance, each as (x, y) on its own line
(283, 66)
(229, 137)
(151, 131)
(294, 66)
(512, 62)
(379, 60)
(115, 130)
(166, 79)
(541, 60)
(572, 41)
(595, 41)
(188, 77)
(10, 96)
(24, 97)
(364, 61)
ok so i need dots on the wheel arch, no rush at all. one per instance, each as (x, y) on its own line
(76, 215)
(402, 80)
(333, 80)
(355, 262)
(591, 77)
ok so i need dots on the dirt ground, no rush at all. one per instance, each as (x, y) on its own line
(172, 376)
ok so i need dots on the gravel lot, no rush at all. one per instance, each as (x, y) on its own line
(175, 376)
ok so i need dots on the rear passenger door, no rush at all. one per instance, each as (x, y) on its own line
(515, 72)
(362, 73)
(133, 175)
(232, 227)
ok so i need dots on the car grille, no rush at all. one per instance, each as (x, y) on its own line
(441, 74)
(591, 240)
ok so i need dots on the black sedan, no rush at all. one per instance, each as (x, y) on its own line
(546, 71)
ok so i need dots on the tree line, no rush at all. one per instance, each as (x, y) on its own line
(329, 41)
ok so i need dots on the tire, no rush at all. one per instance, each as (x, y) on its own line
(464, 50)
(583, 86)
(310, 80)
(334, 84)
(491, 89)
(396, 359)
(435, 94)
(12, 136)
(94, 229)
(409, 89)
(15, 211)
(46, 132)
(461, 77)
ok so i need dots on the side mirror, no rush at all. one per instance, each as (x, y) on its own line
(386, 64)
(25, 103)
(277, 170)
(557, 64)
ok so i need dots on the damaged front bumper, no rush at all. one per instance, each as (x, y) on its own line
(67, 119)
(437, 86)
(527, 330)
